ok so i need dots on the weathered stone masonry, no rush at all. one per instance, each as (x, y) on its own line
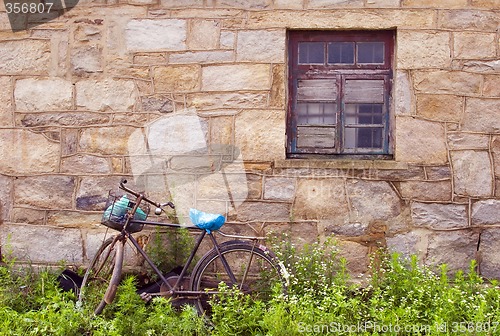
(75, 89)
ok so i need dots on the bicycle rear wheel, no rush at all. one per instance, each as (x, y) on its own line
(103, 275)
(255, 269)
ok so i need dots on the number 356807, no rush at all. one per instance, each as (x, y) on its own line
(25, 8)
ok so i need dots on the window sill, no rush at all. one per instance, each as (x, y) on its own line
(340, 164)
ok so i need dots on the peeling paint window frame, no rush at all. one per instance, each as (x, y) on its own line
(334, 139)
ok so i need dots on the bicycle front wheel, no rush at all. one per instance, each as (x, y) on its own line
(101, 279)
(253, 270)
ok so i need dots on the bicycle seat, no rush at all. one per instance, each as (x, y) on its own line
(207, 221)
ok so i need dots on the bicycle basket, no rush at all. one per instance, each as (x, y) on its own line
(117, 207)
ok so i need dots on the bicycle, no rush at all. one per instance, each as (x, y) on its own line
(241, 262)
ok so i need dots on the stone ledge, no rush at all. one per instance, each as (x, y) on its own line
(341, 164)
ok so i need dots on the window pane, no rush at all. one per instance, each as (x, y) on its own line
(364, 114)
(363, 138)
(316, 113)
(371, 52)
(341, 52)
(311, 52)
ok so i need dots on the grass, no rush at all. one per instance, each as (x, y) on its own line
(402, 297)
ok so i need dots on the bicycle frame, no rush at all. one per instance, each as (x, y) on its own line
(173, 290)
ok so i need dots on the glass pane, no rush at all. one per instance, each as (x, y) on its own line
(341, 52)
(364, 114)
(363, 138)
(311, 52)
(371, 52)
(316, 113)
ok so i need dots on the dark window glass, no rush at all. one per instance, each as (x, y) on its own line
(341, 53)
(311, 53)
(371, 52)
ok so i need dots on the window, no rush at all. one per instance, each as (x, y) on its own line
(340, 93)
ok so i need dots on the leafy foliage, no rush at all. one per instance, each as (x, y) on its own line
(401, 297)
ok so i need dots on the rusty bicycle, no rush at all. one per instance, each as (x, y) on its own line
(241, 262)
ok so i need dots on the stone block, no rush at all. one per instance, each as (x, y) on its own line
(467, 19)
(420, 141)
(277, 97)
(439, 216)
(455, 248)
(176, 78)
(447, 82)
(26, 158)
(441, 4)
(209, 56)
(405, 244)
(74, 219)
(75, 119)
(297, 233)
(403, 99)
(417, 49)
(261, 46)
(106, 140)
(156, 35)
(46, 192)
(288, 4)
(470, 45)
(245, 4)
(85, 164)
(203, 34)
(86, 59)
(106, 95)
(372, 200)
(43, 94)
(489, 266)
(28, 216)
(486, 3)
(356, 256)
(315, 197)
(460, 140)
(481, 115)
(93, 192)
(6, 185)
(446, 108)
(426, 190)
(43, 244)
(25, 57)
(227, 39)
(491, 86)
(343, 19)
(346, 230)
(215, 100)
(486, 212)
(6, 112)
(263, 211)
(279, 188)
(260, 134)
(185, 3)
(226, 187)
(236, 77)
(221, 130)
(472, 173)
(320, 4)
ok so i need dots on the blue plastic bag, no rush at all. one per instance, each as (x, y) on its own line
(203, 220)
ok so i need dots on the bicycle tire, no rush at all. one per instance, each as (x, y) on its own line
(260, 265)
(101, 279)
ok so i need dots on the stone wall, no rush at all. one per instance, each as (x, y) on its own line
(76, 89)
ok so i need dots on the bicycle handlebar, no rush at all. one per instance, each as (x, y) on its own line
(136, 194)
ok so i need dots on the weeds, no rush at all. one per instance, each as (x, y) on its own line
(402, 298)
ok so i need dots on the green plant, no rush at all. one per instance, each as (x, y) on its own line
(170, 248)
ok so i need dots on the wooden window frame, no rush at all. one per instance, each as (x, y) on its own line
(339, 73)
